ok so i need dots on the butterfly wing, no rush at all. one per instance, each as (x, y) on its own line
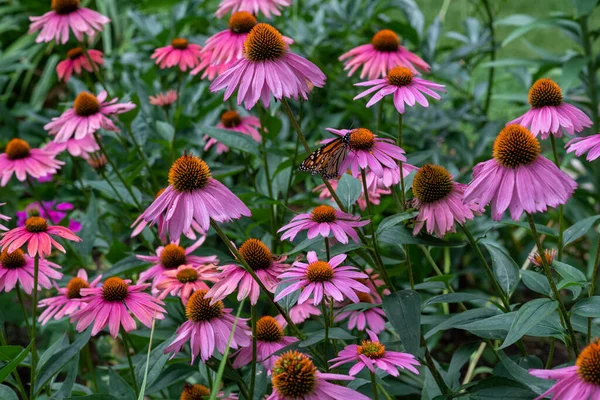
(327, 159)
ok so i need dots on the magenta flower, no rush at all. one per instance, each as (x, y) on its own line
(76, 147)
(37, 234)
(169, 258)
(69, 298)
(374, 194)
(548, 113)
(324, 221)
(373, 355)
(163, 99)
(18, 268)
(208, 326)
(518, 178)
(57, 212)
(582, 144)
(76, 61)
(234, 277)
(269, 340)
(193, 195)
(4, 218)
(367, 150)
(549, 254)
(185, 280)
(294, 376)
(404, 86)
(88, 114)
(268, 68)
(110, 305)
(381, 55)
(579, 381)
(299, 313)
(232, 121)
(65, 15)
(197, 392)
(22, 160)
(323, 279)
(439, 201)
(178, 53)
(267, 7)
(372, 318)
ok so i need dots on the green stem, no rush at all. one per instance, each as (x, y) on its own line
(374, 385)
(95, 68)
(3, 342)
(90, 365)
(434, 372)
(114, 167)
(125, 338)
(326, 322)
(548, 272)
(592, 289)
(490, 85)
(379, 116)
(488, 269)
(103, 175)
(550, 354)
(22, 303)
(327, 251)
(402, 188)
(34, 357)
(253, 365)
(561, 219)
(591, 69)
(140, 151)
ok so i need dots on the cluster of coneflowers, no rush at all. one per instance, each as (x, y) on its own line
(253, 59)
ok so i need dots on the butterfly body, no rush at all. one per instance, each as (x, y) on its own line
(327, 159)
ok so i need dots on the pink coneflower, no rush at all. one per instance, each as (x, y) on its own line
(186, 279)
(580, 381)
(232, 121)
(439, 201)
(88, 114)
(404, 86)
(367, 150)
(234, 277)
(371, 318)
(110, 305)
(193, 195)
(69, 298)
(200, 392)
(548, 114)
(65, 15)
(56, 213)
(4, 218)
(381, 55)
(582, 144)
(374, 194)
(323, 279)
(299, 313)
(518, 178)
(17, 267)
(178, 53)
(267, 7)
(76, 147)
(294, 376)
(163, 99)
(37, 234)
(170, 257)
(76, 61)
(324, 221)
(268, 68)
(269, 340)
(22, 160)
(208, 326)
(373, 355)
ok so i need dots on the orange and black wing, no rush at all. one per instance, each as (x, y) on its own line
(327, 159)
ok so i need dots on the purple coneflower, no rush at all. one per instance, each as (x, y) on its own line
(582, 144)
(18, 268)
(76, 61)
(232, 121)
(20, 159)
(76, 147)
(267, 7)
(179, 53)
(185, 280)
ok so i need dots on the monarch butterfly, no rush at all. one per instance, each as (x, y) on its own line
(326, 160)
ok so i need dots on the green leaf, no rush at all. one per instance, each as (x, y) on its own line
(461, 319)
(403, 310)
(334, 333)
(7, 393)
(94, 397)
(541, 229)
(60, 359)
(528, 316)
(44, 82)
(8, 353)
(157, 361)
(588, 307)
(104, 188)
(413, 14)
(89, 227)
(66, 388)
(358, 307)
(394, 220)
(584, 7)
(551, 22)
(520, 374)
(454, 298)
(52, 350)
(127, 265)
(570, 74)
(349, 190)
(505, 268)
(165, 130)
(399, 235)
(232, 139)
(118, 387)
(579, 229)
(573, 279)
(11, 366)
(536, 282)
(171, 375)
